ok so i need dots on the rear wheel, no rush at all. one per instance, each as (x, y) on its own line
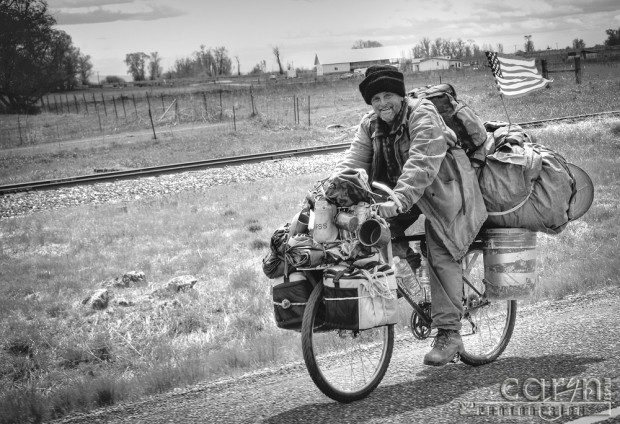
(345, 365)
(487, 324)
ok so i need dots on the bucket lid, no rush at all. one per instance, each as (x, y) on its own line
(584, 192)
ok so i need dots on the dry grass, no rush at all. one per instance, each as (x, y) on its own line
(274, 128)
(57, 355)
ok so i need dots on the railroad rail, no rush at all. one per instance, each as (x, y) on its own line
(220, 162)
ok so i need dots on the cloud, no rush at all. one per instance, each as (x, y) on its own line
(100, 15)
(75, 4)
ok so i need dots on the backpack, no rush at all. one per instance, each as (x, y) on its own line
(457, 115)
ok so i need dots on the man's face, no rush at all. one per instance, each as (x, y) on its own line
(387, 105)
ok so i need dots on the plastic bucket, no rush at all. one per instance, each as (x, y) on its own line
(509, 256)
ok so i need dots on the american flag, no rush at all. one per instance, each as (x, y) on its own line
(515, 77)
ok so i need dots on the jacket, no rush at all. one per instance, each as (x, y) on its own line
(436, 173)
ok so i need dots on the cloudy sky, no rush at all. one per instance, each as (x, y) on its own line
(109, 29)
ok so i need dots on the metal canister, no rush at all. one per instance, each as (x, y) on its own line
(347, 221)
(324, 226)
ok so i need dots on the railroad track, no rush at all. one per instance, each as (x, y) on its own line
(220, 162)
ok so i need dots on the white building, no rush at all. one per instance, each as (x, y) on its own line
(436, 64)
(351, 59)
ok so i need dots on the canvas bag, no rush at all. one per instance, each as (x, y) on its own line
(458, 116)
(524, 184)
(359, 298)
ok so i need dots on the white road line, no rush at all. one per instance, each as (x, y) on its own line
(596, 418)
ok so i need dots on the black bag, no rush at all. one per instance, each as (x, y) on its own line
(290, 295)
(344, 188)
(458, 116)
(273, 262)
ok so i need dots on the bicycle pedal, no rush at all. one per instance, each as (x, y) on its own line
(456, 358)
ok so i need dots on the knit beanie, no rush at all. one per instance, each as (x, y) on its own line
(380, 78)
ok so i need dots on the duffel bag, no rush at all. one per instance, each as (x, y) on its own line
(359, 298)
(290, 295)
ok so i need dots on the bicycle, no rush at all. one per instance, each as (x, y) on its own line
(348, 365)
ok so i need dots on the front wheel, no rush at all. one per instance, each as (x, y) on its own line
(345, 365)
(487, 324)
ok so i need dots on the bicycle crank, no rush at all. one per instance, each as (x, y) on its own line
(419, 328)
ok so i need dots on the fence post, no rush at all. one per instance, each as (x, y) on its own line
(252, 99)
(85, 103)
(134, 105)
(234, 119)
(114, 103)
(123, 103)
(47, 98)
(204, 101)
(163, 106)
(77, 109)
(67, 100)
(105, 109)
(221, 107)
(308, 110)
(578, 70)
(19, 127)
(148, 101)
(544, 70)
(98, 115)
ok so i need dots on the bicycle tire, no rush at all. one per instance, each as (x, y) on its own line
(492, 321)
(327, 358)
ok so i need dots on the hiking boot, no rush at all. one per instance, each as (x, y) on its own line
(446, 345)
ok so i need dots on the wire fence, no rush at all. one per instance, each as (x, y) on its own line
(85, 115)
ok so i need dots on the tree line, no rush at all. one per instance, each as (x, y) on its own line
(35, 58)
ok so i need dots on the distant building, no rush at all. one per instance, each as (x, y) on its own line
(436, 64)
(351, 59)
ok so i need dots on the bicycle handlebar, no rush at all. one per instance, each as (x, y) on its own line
(390, 193)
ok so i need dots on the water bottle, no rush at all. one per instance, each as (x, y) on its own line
(423, 278)
(404, 273)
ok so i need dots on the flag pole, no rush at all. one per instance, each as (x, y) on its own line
(501, 96)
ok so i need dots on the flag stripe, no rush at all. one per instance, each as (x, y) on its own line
(515, 77)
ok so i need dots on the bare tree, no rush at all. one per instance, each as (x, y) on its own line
(425, 44)
(136, 63)
(276, 53)
(529, 44)
(85, 67)
(361, 44)
(154, 66)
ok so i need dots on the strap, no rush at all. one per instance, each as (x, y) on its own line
(514, 208)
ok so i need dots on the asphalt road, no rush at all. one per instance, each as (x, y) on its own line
(574, 338)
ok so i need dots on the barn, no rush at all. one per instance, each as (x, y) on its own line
(339, 61)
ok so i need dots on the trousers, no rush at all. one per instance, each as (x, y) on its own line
(445, 274)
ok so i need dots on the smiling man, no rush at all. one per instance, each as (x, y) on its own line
(405, 144)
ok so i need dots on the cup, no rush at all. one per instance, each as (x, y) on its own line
(373, 233)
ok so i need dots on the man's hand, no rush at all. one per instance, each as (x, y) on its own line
(388, 209)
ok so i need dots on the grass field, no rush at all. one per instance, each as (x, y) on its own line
(58, 356)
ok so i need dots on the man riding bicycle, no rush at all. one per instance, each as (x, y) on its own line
(405, 144)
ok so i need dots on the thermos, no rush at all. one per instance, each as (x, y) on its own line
(324, 229)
